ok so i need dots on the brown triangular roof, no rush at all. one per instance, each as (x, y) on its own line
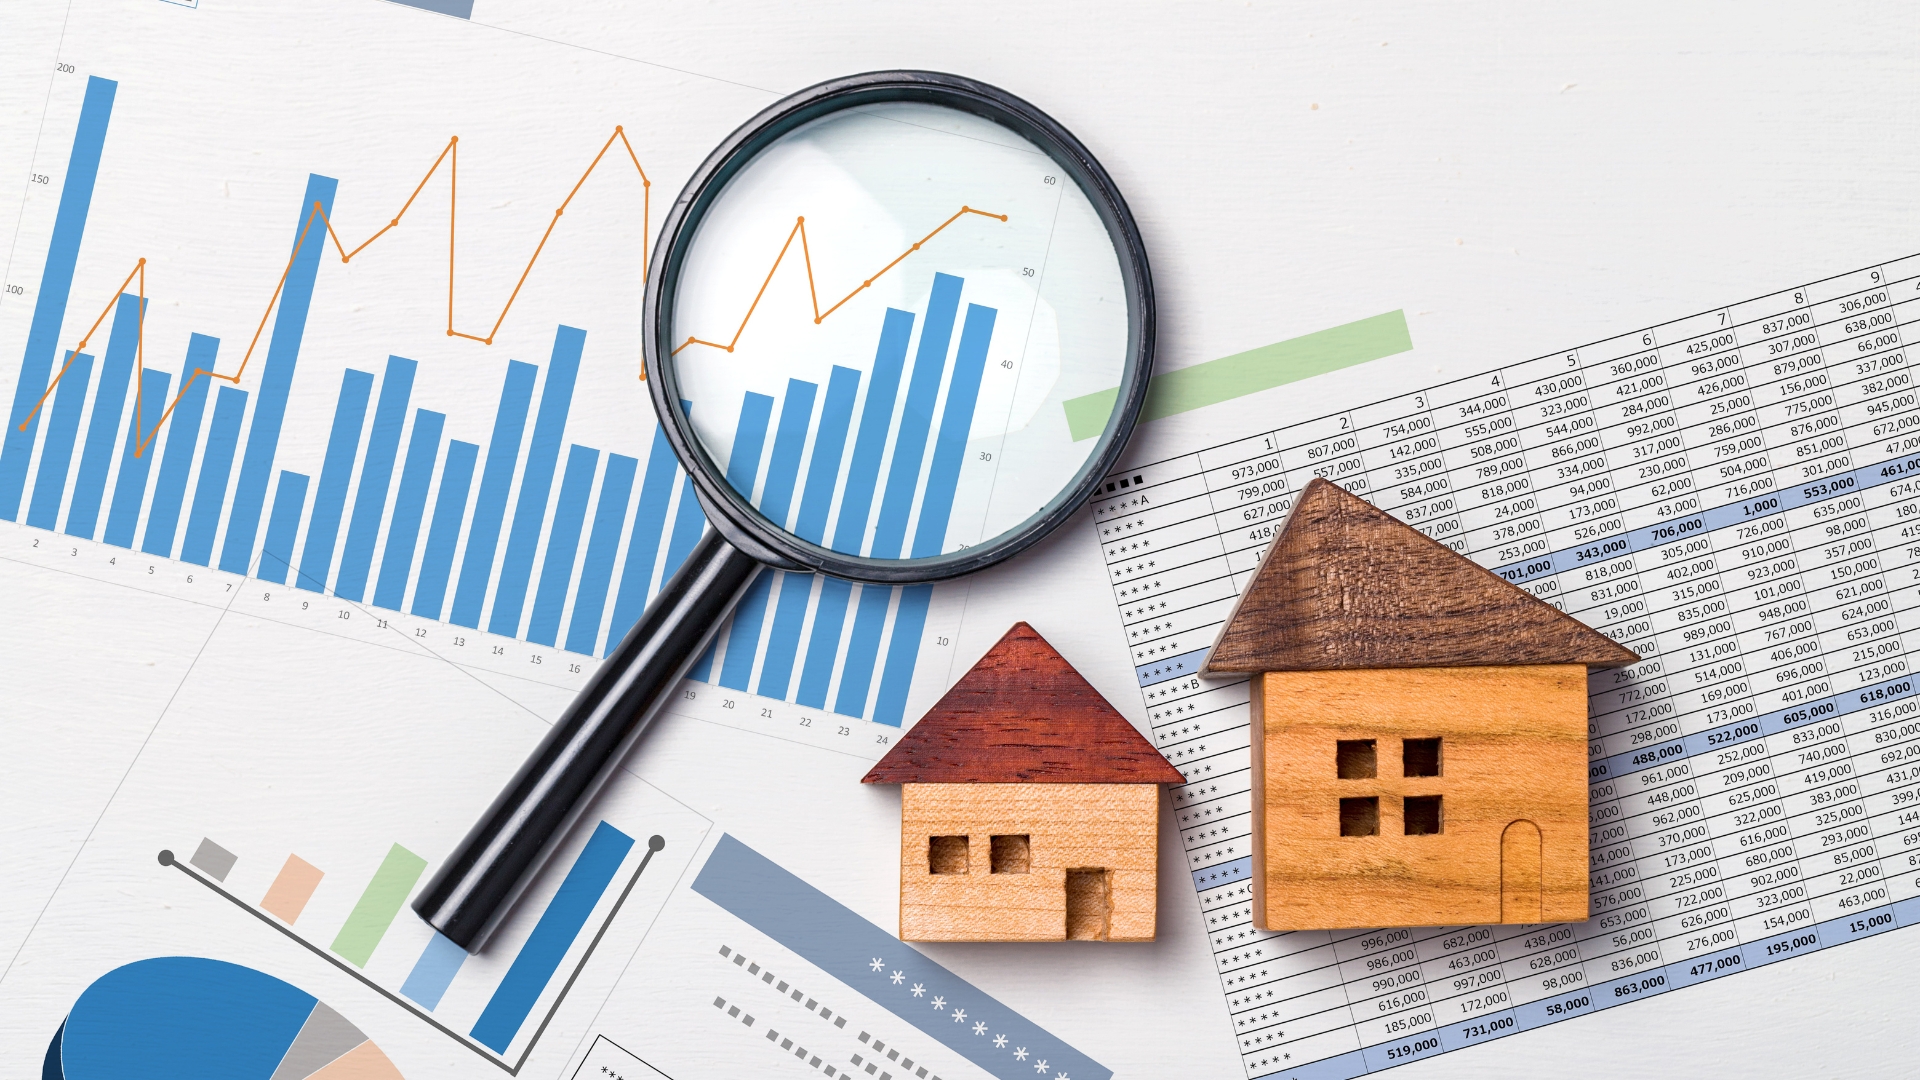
(1022, 715)
(1348, 586)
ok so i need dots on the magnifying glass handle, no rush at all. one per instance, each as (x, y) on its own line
(479, 883)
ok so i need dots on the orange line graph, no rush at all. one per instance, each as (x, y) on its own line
(800, 230)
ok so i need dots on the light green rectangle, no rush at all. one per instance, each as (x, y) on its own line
(1249, 372)
(381, 901)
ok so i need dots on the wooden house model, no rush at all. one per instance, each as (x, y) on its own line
(1419, 730)
(1029, 807)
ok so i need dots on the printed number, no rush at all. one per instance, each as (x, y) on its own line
(419, 631)
(1049, 180)
(459, 641)
(304, 605)
(343, 614)
(574, 668)
(688, 695)
(941, 641)
(41, 178)
(499, 650)
(74, 553)
(64, 69)
(1008, 364)
(189, 579)
(149, 569)
(1026, 271)
(266, 596)
(16, 290)
(536, 659)
(379, 624)
(844, 731)
(986, 455)
(726, 703)
(767, 713)
(36, 543)
(806, 721)
(881, 739)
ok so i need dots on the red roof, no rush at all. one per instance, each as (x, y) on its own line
(1022, 715)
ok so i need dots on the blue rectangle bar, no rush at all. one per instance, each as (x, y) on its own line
(376, 477)
(136, 458)
(903, 650)
(950, 445)
(823, 471)
(743, 640)
(552, 936)
(63, 427)
(876, 965)
(443, 536)
(336, 470)
(689, 522)
(743, 467)
(56, 284)
(283, 526)
(276, 378)
(170, 491)
(783, 469)
(409, 506)
(216, 469)
(649, 528)
(829, 622)
(596, 574)
(863, 650)
(563, 545)
(783, 641)
(536, 483)
(490, 507)
(431, 975)
(103, 424)
(916, 418)
(876, 419)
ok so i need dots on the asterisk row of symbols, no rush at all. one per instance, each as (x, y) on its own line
(960, 1015)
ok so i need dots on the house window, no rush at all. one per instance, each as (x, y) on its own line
(1354, 758)
(946, 855)
(1420, 757)
(1360, 817)
(1010, 855)
(1422, 814)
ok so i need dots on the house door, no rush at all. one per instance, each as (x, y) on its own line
(1089, 904)
(1520, 873)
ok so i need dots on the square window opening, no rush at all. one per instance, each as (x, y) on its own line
(1360, 817)
(1422, 815)
(1010, 855)
(1420, 757)
(946, 855)
(1354, 759)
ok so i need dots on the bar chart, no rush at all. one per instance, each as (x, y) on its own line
(525, 533)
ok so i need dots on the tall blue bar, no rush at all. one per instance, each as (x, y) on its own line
(743, 468)
(776, 502)
(56, 283)
(823, 648)
(580, 891)
(63, 427)
(910, 445)
(596, 574)
(336, 470)
(136, 460)
(649, 528)
(276, 378)
(103, 425)
(376, 478)
(543, 450)
(490, 509)
(689, 521)
(170, 493)
(823, 473)
(283, 525)
(876, 419)
(563, 545)
(863, 650)
(216, 469)
(409, 506)
(443, 536)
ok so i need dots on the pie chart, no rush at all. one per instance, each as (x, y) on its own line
(189, 1018)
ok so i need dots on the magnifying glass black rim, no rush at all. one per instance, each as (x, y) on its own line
(730, 512)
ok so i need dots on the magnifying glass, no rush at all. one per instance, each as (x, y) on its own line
(884, 316)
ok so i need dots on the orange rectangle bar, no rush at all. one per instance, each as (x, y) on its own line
(288, 895)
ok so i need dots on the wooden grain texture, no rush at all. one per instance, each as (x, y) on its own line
(1347, 586)
(1513, 748)
(1111, 827)
(1020, 715)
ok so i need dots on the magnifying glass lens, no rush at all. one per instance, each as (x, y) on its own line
(897, 330)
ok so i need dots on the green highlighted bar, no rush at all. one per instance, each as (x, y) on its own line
(378, 905)
(1249, 372)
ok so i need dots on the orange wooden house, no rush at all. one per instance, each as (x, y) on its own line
(1419, 730)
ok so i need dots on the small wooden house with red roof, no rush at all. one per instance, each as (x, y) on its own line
(1419, 730)
(1029, 807)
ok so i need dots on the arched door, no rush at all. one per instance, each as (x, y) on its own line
(1520, 873)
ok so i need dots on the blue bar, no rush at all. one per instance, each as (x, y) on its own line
(552, 936)
(903, 650)
(170, 493)
(876, 418)
(431, 975)
(863, 650)
(216, 468)
(63, 426)
(103, 425)
(643, 547)
(910, 443)
(283, 525)
(136, 460)
(483, 536)
(823, 472)
(950, 446)
(596, 575)
(283, 353)
(510, 596)
(829, 620)
(376, 477)
(783, 469)
(744, 639)
(409, 506)
(702, 669)
(689, 522)
(56, 283)
(743, 466)
(783, 643)
(336, 470)
(563, 545)
(456, 479)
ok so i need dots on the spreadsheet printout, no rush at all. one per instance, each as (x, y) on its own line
(1733, 496)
